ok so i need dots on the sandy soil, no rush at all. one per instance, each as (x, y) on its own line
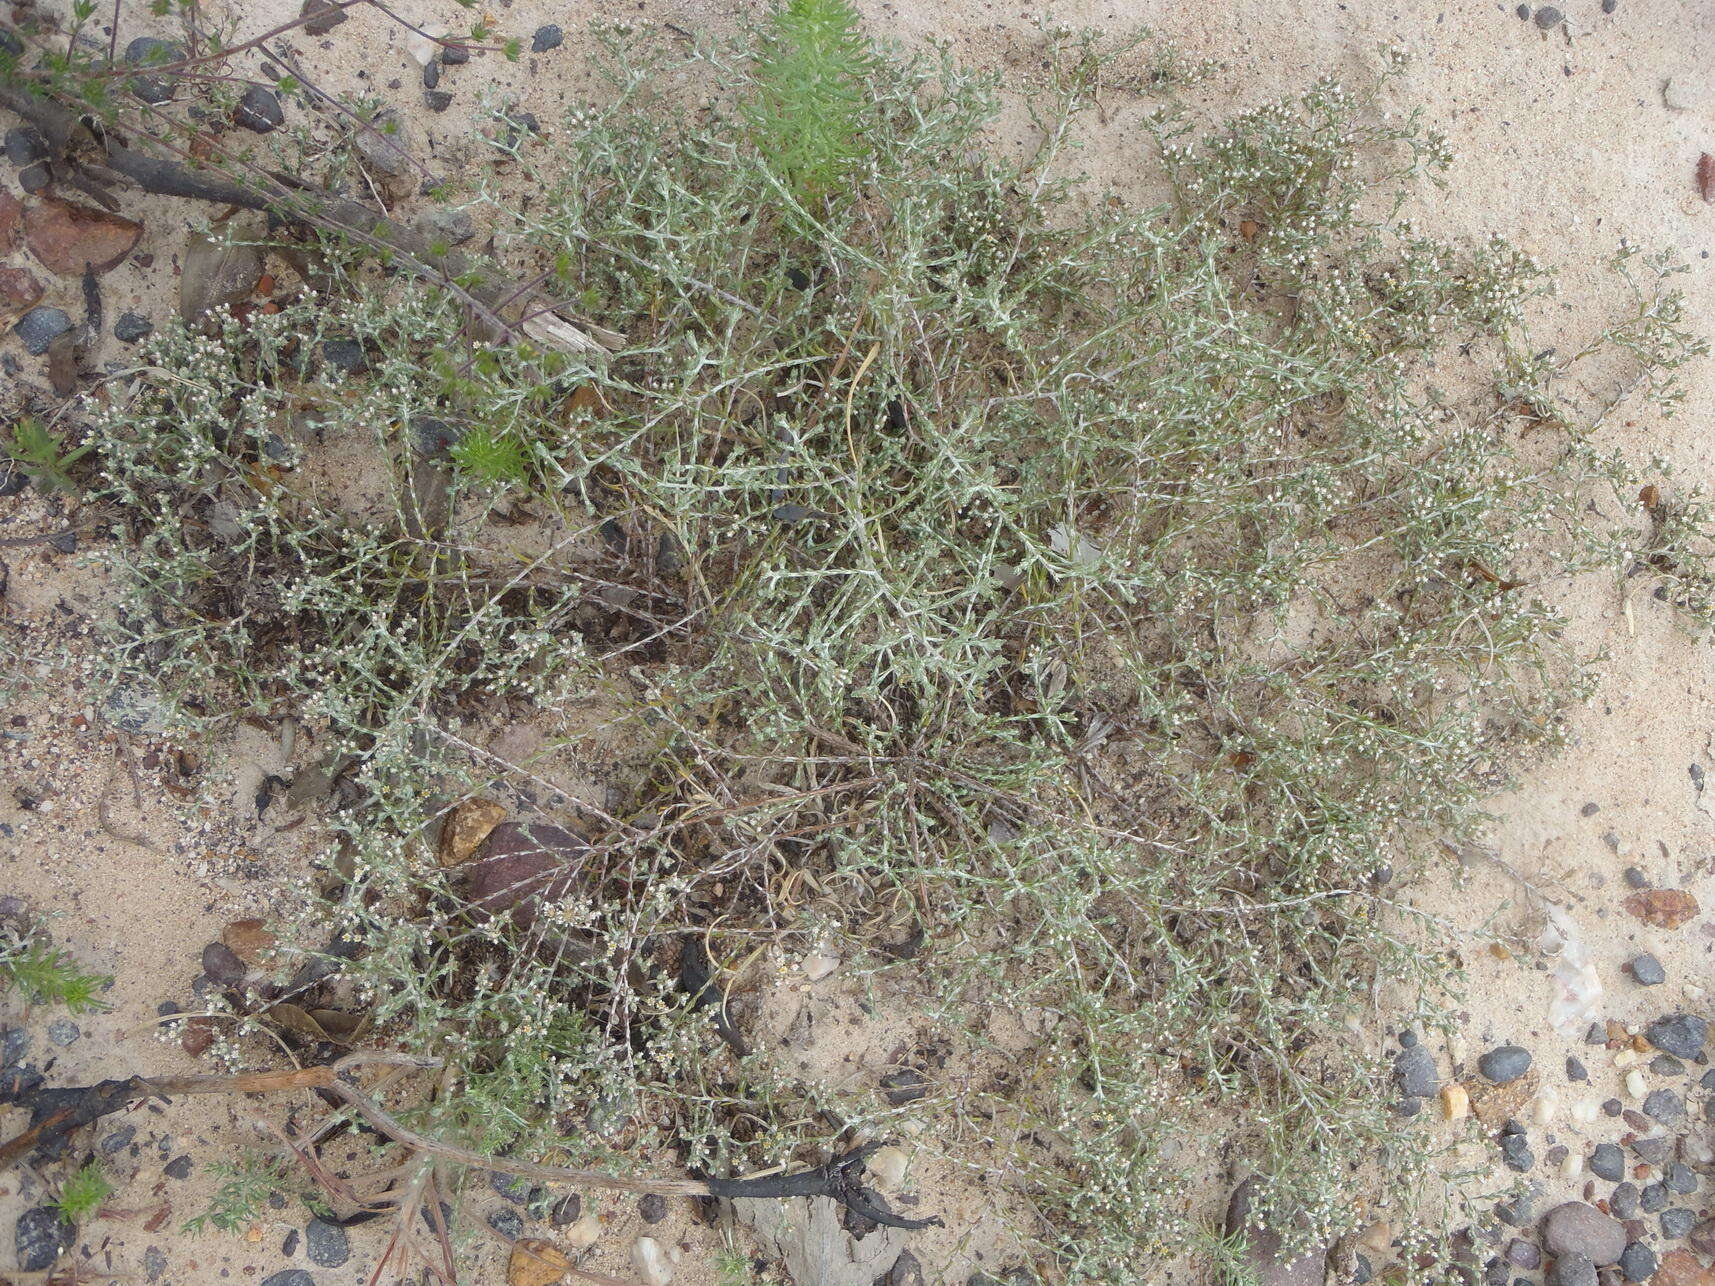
(1566, 146)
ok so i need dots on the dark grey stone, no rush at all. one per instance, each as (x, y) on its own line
(508, 1223)
(1681, 1035)
(259, 110)
(63, 1031)
(1548, 17)
(454, 55)
(1677, 1222)
(1523, 1254)
(1623, 1200)
(131, 327)
(24, 145)
(40, 327)
(344, 355)
(1653, 1198)
(1573, 1269)
(510, 1186)
(437, 100)
(154, 1263)
(1504, 1063)
(652, 1208)
(289, 1243)
(566, 1210)
(1596, 1034)
(1636, 879)
(1666, 1065)
(35, 178)
(1515, 1151)
(1414, 1072)
(1647, 970)
(1637, 1262)
(290, 1277)
(1652, 1148)
(14, 1045)
(546, 38)
(1664, 1106)
(118, 1140)
(1575, 1070)
(431, 75)
(178, 1167)
(41, 1237)
(325, 1244)
(1608, 1162)
(1680, 1178)
(148, 51)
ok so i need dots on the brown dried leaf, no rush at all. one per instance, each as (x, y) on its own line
(466, 827)
(535, 1262)
(1662, 908)
(1706, 176)
(247, 940)
(297, 1020)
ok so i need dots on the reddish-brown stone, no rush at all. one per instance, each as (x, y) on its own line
(67, 237)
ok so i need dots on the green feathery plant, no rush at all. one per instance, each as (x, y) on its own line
(48, 975)
(807, 104)
(83, 1192)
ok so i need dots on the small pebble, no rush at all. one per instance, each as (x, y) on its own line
(1575, 1070)
(1623, 1200)
(1548, 17)
(1516, 1153)
(431, 75)
(1636, 1085)
(131, 327)
(508, 1223)
(650, 1260)
(1680, 1179)
(1647, 970)
(290, 1277)
(1637, 1262)
(546, 38)
(1523, 12)
(344, 355)
(1573, 1270)
(652, 1208)
(1653, 1198)
(1523, 1254)
(1635, 878)
(1608, 1162)
(1664, 1106)
(1681, 1035)
(1596, 1034)
(1504, 1064)
(1666, 1065)
(178, 1167)
(1612, 1106)
(1608, 6)
(437, 100)
(40, 1237)
(259, 110)
(39, 327)
(326, 1244)
(63, 1031)
(1677, 1223)
(1455, 1102)
(1651, 1149)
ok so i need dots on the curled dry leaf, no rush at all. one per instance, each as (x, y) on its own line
(1662, 908)
(466, 827)
(247, 940)
(535, 1262)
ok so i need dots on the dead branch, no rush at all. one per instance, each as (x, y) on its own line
(55, 1113)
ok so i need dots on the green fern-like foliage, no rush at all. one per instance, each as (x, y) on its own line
(813, 62)
(82, 1194)
(491, 456)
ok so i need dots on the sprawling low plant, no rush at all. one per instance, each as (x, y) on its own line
(1103, 609)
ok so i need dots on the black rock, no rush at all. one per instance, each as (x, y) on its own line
(1608, 6)
(154, 1263)
(289, 1243)
(64, 542)
(35, 178)
(1414, 1071)
(1612, 1107)
(1653, 1198)
(454, 55)
(41, 1237)
(325, 1244)
(909, 1085)
(652, 1208)
(1666, 1065)
(118, 1140)
(1680, 1178)
(1515, 1151)
(508, 1223)
(221, 964)
(1608, 1162)
(1664, 1106)
(40, 327)
(546, 38)
(1647, 970)
(1637, 1262)
(1677, 1222)
(131, 327)
(1573, 1270)
(259, 110)
(437, 100)
(344, 355)
(1623, 1200)
(1681, 1035)
(906, 1271)
(24, 145)
(566, 1210)
(431, 75)
(1523, 12)
(1575, 1070)
(1635, 879)
(290, 1277)
(178, 1167)
(510, 1186)
(147, 51)
(1504, 1064)
(1548, 17)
